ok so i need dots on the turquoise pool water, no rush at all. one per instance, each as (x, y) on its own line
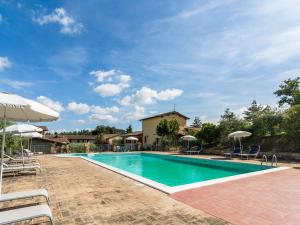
(173, 170)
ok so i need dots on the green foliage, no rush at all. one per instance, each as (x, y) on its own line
(262, 120)
(167, 129)
(291, 122)
(100, 139)
(80, 132)
(197, 122)
(11, 142)
(117, 142)
(229, 123)
(100, 129)
(271, 119)
(209, 134)
(253, 111)
(289, 92)
(76, 147)
(129, 129)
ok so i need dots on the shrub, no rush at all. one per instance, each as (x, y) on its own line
(77, 147)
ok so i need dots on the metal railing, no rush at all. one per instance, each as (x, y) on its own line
(264, 158)
(274, 160)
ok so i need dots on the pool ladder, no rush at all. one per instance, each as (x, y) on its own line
(274, 160)
(265, 159)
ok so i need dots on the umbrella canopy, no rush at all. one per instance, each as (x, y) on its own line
(16, 108)
(132, 139)
(239, 134)
(22, 128)
(188, 138)
(29, 135)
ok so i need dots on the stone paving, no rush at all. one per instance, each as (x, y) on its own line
(84, 193)
(268, 199)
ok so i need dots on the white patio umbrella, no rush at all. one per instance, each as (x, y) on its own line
(16, 108)
(22, 128)
(132, 139)
(29, 136)
(188, 138)
(238, 135)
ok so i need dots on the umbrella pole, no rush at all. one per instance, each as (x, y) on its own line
(2, 150)
(22, 150)
(241, 145)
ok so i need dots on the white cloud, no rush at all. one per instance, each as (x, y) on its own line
(106, 110)
(202, 8)
(107, 90)
(280, 47)
(169, 94)
(78, 108)
(100, 117)
(68, 24)
(4, 63)
(16, 84)
(104, 113)
(125, 101)
(125, 79)
(80, 122)
(102, 75)
(136, 114)
(121, 81)
(56, 105)
(146, 96)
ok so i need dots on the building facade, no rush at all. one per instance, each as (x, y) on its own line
(149, 124)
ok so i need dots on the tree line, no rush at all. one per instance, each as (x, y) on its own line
(260, 120)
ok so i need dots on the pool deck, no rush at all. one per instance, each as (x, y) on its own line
(272, 198)
(84, 193)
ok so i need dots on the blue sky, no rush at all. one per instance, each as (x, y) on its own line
(113, 62)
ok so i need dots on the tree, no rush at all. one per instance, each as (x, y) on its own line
(253, 111)
(129, 129)
(271, 119)
(100, 139)
(101, 129)
(197, 122)
(173, 129)
(289, 92)
(291, 123)
(167, 129)
(262, 120)
(229, 123)
(210, 134)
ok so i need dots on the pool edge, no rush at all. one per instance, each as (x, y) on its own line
(171, 190)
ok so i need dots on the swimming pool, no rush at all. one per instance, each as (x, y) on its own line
(173, 173)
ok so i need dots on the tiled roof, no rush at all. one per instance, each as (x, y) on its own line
(136, 133)
(165, 114)
(44, 128)
(80, 137)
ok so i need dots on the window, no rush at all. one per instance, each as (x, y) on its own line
(145, 139)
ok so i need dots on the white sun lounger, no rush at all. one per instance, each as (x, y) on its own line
(20, 159)
(24, 194)
(14, 164)
(27, 213)
(20, 168)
